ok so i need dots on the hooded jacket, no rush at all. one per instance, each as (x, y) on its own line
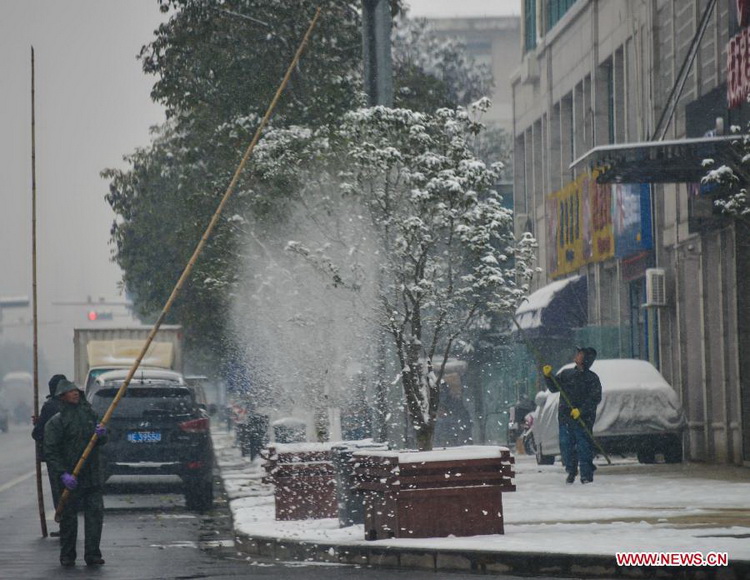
(49, 409)
(66, 436)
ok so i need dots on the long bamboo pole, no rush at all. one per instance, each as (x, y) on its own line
(563, 394)
(39, 490)
(196, 253)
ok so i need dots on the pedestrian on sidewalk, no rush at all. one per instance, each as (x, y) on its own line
(50, 408)
(66, 436)
(581, 392)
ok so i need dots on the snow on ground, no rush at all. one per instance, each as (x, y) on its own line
(629, 507)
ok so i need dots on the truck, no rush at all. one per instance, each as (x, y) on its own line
(101, 349)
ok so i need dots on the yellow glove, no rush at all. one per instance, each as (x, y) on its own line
(547, 370)
(575, 413)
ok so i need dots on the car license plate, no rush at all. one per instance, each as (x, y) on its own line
(144, 436)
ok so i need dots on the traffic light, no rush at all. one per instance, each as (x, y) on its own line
(95, 315)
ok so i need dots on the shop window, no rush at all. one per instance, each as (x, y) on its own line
(556, 9)
(529, 28)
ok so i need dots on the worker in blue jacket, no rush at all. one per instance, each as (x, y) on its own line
(580, 393)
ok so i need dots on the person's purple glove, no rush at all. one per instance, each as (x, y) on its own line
(100, 430)
(69, 481)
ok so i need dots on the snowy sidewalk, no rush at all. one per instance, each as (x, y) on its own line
(549, 526)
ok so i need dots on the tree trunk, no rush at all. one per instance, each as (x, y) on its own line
(424, 437)
(380, 411)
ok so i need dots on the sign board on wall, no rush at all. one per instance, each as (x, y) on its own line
(743, 12)
(631, 211)
(590, 222)
(738, 58)
(582, 216)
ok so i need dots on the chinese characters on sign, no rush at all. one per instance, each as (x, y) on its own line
(738, 59)
(592, 222)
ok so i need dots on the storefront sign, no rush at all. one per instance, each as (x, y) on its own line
(743, 12)
(590, 222)
(580, 220)
(738, 58)
(738, 68)
(600, 232)
(631, 209)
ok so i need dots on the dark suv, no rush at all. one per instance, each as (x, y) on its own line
(158, 428)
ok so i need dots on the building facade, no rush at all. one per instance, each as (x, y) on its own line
(615, 104)
(493, 42)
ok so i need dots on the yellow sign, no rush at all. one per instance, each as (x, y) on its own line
(580, 225)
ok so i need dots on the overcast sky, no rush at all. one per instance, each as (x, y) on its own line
(92, 107)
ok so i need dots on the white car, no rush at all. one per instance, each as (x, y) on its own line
(639, 413)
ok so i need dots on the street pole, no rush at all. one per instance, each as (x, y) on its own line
(376, 45)
(378, 85)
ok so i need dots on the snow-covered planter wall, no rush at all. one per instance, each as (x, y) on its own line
(453, 491)
(303, 478)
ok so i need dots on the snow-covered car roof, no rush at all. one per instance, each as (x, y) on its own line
(621, 374)
(142, 375)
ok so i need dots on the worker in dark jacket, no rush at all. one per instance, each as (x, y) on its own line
(580, 393)
(50, 407)
(66, 436)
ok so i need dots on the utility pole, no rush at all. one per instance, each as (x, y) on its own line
(378, 70)
(376, 44)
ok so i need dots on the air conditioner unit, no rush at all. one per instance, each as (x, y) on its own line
(656, 292)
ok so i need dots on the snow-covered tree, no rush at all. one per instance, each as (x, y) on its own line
(730, 177)
(422, 209)
(449, 255)
(216, 64)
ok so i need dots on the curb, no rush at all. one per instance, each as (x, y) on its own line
(479, 562)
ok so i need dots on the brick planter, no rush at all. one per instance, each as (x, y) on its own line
(454, 491)
(303, 478)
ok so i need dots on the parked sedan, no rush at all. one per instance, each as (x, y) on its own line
(639, 413)
(158, 428)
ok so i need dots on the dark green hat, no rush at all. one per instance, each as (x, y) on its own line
(63, 386)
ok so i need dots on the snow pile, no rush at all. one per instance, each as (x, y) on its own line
(442, 454)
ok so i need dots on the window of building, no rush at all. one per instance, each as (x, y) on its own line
(529, 25)
(556, 9)
(609, 71)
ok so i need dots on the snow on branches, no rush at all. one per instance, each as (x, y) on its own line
(731, 181)
(398, 197)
